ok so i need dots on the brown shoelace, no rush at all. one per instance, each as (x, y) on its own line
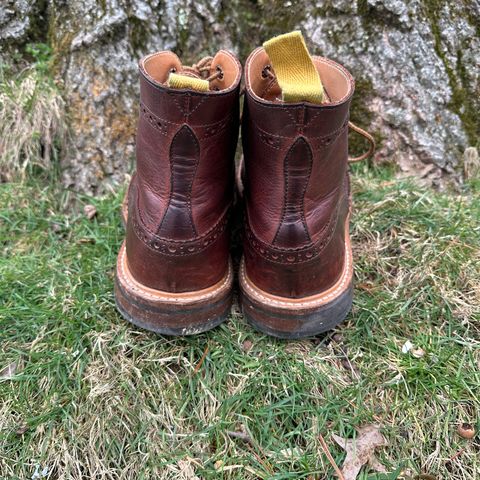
(367, 136)
(202, 69)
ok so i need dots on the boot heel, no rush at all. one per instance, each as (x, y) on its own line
(167, 313)
(300, 323)
(293, 318)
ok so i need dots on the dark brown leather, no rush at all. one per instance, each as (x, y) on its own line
(296, 182)
(179, 199)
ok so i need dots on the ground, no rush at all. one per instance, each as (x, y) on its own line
(84, 394)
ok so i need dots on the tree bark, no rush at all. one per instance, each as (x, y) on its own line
(416, 66)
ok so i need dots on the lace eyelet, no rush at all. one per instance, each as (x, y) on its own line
(265, 71)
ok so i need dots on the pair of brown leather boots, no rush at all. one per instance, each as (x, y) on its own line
(174, 272)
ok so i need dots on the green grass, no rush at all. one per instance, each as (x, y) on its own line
(94, 397)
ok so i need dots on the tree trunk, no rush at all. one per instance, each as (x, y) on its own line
(416, 66)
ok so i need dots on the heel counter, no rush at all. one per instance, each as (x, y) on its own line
(176, 265)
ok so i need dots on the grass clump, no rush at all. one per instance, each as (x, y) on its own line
(94, 397)
(32, 118)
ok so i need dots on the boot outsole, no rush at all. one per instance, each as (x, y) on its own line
(167, 313)
(294, 318)
(302, 324)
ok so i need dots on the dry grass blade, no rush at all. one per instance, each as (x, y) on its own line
(265, 464)
(32, 120)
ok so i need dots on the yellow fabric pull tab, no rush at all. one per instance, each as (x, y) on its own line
(296, 73)
(184, 81)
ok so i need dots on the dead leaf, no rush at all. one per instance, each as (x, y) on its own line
(407, 346)
(9, 371)
(187, 471)
(366, 286)
(376, 465)
(90, 211)
(350, 367)
(21, 429)
(418, 352)
(241, 436)
(361, 450)
(337, 338)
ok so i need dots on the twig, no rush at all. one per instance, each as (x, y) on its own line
(324, 445)
(200, 362)
(456, 455)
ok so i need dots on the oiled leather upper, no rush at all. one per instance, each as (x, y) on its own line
(296, 186)
(179, 199)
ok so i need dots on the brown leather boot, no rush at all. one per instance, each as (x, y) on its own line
(174, 274)
(296, 274)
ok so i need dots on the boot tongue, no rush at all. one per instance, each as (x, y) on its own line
(296, 73)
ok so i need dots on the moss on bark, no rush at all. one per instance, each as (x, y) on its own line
(464, 102)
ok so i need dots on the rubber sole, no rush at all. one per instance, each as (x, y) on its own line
(304, 324)
(167, 313)
(294, 318)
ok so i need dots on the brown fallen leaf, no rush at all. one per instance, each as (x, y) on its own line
(418, 352)
(361, 450)
(244, 437)
(21, 429)
(90, 211)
